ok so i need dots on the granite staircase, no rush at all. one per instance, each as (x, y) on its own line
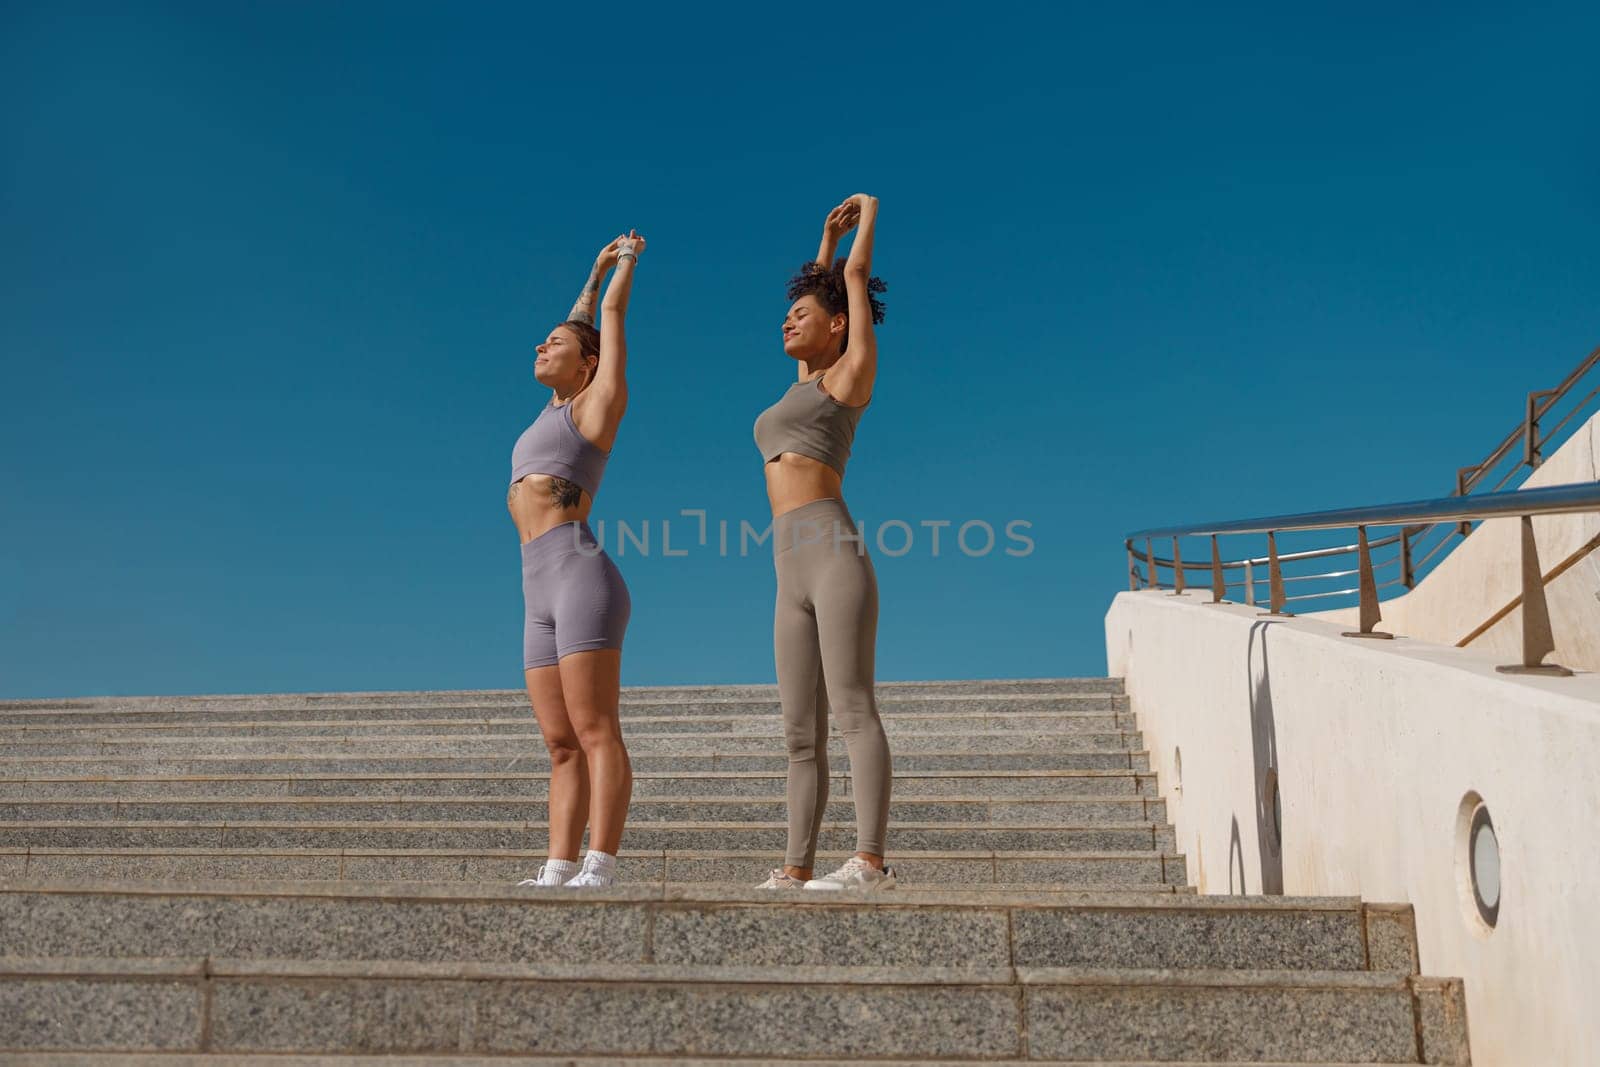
(305, 878)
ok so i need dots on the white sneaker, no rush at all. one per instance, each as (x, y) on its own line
(595, 875)
(780, 879)
(856, 873)
(546, 876)
(592, 879)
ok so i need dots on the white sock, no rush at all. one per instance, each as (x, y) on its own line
(565, 868)
(602, 863)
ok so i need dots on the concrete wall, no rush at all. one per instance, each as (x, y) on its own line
(1374, 745)
(1482, 574)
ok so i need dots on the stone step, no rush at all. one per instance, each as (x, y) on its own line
(523, 724)
(534, 760)
(508, 745)
(201, 1059)
(157, 1059)
(1157, 871)
(921, 1013)
(700, 925)
(991, 784)
(741, 836)
(1054, 890)
(982, 687)
(1009, 811)
(517, 704)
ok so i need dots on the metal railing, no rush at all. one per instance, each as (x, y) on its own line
(1537, 639)
(1536, 433)
(1417, 546)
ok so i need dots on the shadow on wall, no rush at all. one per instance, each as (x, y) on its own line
(1236, 882)
(1264, 740)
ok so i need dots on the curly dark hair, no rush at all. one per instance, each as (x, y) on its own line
(827, 285)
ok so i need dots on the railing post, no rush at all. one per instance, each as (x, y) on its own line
(1370, 615)
(1531, 454)
(1408, 574)
(1177, 569)
(1275, 579)
(1463, 487)
(1249, 583)
(1219, 588)
(1133, 568)
(1150, 562)
(1537, 639)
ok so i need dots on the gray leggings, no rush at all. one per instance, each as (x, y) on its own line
(824, 630)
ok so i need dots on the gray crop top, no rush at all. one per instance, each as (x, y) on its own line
(553, 445)
(809, 422)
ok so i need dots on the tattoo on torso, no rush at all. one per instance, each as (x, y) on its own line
(563, 493)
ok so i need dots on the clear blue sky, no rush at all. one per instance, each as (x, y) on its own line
(270, 275)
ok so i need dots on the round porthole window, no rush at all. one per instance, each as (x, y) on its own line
(1479, 875)
(1485, 858)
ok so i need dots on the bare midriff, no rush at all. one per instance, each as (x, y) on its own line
(536, 504)
(793, 480)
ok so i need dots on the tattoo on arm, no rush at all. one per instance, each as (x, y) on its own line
(583, 310)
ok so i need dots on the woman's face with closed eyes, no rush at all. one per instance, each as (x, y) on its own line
(559, 360)
(809, 331)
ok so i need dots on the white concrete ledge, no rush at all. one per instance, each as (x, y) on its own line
(1374, 745)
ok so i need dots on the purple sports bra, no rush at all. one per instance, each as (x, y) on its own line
(553, 446)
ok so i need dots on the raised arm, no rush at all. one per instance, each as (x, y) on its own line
(599, 408)
(851, 379)
(839, 222)
(583, 308)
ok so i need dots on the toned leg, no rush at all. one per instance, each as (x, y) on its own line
(592, 685)
(803, 695)
(569, 775)
(846, 599)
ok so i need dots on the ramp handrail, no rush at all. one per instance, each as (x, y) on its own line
(1535, 437)
(1537, 639)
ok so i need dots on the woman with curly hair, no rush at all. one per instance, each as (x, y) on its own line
(576, 605)
(826, 620)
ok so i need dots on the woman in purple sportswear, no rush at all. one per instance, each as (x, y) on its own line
(576, 604)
